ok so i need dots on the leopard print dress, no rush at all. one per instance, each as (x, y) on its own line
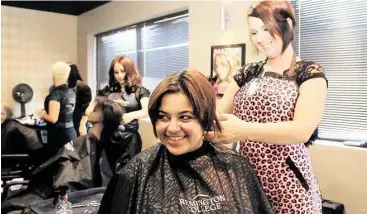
(285, 171)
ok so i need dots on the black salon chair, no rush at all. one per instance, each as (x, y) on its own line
(15, 166)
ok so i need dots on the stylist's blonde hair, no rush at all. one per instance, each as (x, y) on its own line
(60, 72)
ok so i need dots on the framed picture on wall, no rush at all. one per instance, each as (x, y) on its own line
(225, 62)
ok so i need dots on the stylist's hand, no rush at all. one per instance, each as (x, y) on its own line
(83, 126)
(232, 130)
(126, 118)
(82, 130)
(40, 113)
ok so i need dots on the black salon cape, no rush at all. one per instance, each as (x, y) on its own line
(87, 163)
(17, 138)
(211, 179)
(74, 166)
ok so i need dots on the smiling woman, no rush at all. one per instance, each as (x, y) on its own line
(185, 173)
(179, 109)
(272, 107)
(178, 128)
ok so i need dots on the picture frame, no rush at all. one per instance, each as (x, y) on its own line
(226, 60)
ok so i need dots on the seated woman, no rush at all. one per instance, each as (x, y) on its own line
(15, 137)
(185, 173)
(58, 111)
(85, 162)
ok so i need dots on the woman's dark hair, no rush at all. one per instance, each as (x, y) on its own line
(313, 137)
(199, 91)
(74, 76)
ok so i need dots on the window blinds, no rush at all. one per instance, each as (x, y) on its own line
(111, 45)
(158, 47)
(165, 45)
(334, 35)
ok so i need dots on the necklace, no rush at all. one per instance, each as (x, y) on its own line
(254, 86)
(256, 82)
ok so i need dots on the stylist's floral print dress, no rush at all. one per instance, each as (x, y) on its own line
(285, 171)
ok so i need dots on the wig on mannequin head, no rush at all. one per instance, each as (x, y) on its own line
(111, 114)
(60, 72)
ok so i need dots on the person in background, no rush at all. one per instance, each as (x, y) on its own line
(6, 113)
(58, 111)
(83, 95)
(6, 116)
(125, 88)
(17, 138)
(185, 173)
(272, 107)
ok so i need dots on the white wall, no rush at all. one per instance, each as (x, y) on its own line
(342, 175)
(30, 42)
(341, 171)
(205, 30)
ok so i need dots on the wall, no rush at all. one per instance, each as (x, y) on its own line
(341, 171)
(205, 30)
(30, 42)
(342, 175)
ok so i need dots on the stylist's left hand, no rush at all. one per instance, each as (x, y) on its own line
(231, 130)
(126, 118)
(40, 113)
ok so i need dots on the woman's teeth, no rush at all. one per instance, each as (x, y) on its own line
(175, 138)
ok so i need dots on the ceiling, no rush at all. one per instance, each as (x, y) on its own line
(65, 7)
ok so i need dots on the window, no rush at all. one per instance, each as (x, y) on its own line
(336, 39)
(158, 47)
(109, 46)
